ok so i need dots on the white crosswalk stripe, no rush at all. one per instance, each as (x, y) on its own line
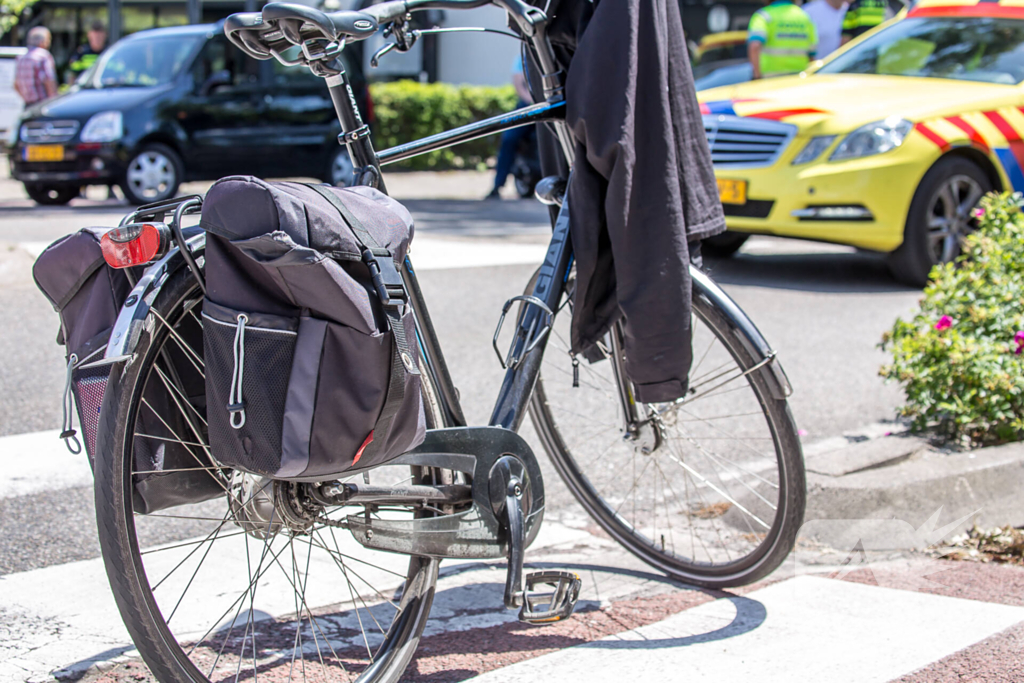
(806, 628)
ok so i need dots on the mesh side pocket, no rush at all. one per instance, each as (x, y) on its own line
(248, 356)
(89, 385)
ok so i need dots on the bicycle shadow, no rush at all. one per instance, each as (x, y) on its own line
(452, 655)
(826, 271)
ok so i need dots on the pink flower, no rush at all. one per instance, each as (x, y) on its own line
(945, 322)
(979, 212)
(1018, 339)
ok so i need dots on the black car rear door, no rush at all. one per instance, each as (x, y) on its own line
(224, 116)
(302, 121)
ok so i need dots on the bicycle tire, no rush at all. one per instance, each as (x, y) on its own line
(709, 307)
(134, 594)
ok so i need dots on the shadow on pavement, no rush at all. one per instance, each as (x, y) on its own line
(750, 614)
(475, 218)
(822, 272)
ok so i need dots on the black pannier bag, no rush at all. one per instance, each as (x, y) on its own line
(310, 350)
(88, 295)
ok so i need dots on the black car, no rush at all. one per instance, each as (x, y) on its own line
(173, 104)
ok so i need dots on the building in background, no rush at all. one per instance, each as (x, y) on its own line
(476, 58)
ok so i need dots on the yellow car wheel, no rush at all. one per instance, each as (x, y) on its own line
(941, 215)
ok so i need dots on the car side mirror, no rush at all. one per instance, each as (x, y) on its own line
(218, 79)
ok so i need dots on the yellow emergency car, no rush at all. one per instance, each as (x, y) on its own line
(888, 145)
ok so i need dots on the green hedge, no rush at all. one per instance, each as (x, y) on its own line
(408, 110)
(960, 358)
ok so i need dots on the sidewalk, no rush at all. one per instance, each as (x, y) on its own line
(402, 185)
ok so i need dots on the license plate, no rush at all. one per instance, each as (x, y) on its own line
(43, 153)
(732, 191)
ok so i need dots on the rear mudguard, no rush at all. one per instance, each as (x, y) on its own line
(132, 318)
(745, 331)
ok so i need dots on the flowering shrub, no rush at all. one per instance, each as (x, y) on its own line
(959, 359)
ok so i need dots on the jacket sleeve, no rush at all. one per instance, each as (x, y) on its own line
(642, 188)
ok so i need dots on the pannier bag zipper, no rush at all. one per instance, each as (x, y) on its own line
(237, 404)
(68, 432)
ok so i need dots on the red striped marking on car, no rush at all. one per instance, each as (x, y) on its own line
(932, 135)
(972, 133)
(779, 114)
(1008, 132)
(979, 10)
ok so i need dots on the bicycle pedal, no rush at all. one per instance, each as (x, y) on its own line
(557, 604)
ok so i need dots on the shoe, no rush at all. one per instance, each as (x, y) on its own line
(493, 195)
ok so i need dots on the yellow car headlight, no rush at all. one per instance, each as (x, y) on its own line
(814, 149)
(874, 138)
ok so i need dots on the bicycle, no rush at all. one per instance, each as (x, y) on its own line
(708, 489)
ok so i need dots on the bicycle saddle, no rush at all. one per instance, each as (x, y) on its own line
(281, 25)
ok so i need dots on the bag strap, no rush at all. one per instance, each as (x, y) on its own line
(391, 291)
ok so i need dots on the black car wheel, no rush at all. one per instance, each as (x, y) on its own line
(342, 172)
(51, 195)
(153, 174)
(940, 217)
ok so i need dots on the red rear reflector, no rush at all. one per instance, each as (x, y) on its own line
(134, 244)
(359, 453)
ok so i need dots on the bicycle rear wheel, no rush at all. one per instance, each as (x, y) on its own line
(257, 580)
(718, 499)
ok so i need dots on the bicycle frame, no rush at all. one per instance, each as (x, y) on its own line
(540, 307)
(517, 386)
(532, 328)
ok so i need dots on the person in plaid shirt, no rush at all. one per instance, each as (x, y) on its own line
(35, 74)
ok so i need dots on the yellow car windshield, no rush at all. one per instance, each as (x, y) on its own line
(984, 49)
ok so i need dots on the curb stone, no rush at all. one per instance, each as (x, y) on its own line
(901, 477)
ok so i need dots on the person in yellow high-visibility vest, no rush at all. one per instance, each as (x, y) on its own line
(86, 55)
(862, 16)
(781, 39)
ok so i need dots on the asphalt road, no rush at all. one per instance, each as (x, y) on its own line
(823, 308)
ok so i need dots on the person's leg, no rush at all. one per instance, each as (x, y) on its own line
(506, 156)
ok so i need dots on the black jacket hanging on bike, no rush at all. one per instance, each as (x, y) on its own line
(643, 185)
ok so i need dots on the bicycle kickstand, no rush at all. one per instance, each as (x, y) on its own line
(546, 597)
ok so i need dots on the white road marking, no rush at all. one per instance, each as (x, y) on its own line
(63, 618)
(37, 462)
(806, 628)
(438, 254)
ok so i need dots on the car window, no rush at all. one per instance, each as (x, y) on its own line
(967, 49)
(220, 55)
(142, 62)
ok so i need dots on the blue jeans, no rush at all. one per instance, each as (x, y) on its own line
(510, 140)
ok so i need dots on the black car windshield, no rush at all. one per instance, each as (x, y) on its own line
(142, 62)
(983, 49)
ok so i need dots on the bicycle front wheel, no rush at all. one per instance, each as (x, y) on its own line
(710, 488)
(258, 580)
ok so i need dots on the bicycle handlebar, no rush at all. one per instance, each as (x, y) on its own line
(389, 11)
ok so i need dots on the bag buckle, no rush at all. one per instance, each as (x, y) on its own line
(386, 278)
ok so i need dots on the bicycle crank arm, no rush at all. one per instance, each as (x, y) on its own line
(510, 498)
(475, 530)
(501, 517)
